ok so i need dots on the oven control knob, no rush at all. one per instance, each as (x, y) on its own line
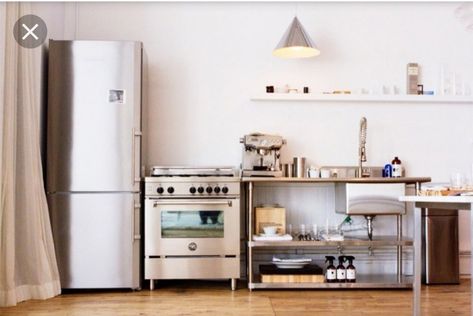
(224, 190)
(200, 189)
(192, 246)
(217, 189)
(192, 190)
(160, 190)
(170, 190)
(209, 190)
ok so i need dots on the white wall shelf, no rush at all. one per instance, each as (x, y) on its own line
(362, 98)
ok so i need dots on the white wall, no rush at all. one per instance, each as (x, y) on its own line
(205, 60)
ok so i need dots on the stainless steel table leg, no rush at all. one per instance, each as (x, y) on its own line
(399, 248)
(417, 261)
(151, 285)
(233, 284)
(421, 203)
(471, 261)
(418, 188)
(250, 234)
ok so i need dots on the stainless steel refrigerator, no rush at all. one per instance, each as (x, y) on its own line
(94, 161)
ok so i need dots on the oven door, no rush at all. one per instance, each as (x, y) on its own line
(192, 227)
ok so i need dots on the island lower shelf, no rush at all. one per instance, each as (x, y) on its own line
(371, 281)
(378, 241)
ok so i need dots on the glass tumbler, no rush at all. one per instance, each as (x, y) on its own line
(457, 180)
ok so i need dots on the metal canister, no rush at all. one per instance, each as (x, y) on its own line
(287, 170)
(299, 167)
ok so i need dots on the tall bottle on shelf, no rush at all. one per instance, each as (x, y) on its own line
(351, 270)
(412, 78)
(341, 271)
(396, 167)
(331, 273)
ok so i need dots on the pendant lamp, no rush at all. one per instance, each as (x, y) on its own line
(296, 43)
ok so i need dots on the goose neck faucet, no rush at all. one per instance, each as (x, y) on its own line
(362, 146)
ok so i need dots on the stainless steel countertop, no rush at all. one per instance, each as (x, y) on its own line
(407, 180)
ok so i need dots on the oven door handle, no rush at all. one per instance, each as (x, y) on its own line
(168, 202)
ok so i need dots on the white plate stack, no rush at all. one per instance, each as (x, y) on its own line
(291, 263)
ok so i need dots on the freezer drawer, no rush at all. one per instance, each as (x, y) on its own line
(97, 239)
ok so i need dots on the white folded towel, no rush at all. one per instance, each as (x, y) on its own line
(286, 237)
(332, 237)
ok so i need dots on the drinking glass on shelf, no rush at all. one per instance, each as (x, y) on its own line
(315, 232)
(447, 80)
(459, 84)
(289, 229)
(468, 183)
(302, 229)
(457, 180)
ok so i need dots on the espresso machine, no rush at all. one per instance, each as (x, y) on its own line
(261, 155)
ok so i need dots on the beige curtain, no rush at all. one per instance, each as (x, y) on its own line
(28, 268)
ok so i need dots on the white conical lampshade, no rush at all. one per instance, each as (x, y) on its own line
(296, 43)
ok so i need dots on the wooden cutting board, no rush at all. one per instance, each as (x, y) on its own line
(270, 216)
(309, 274)
(292, 278)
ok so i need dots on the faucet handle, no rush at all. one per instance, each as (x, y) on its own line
(365, 172)
(363, 154)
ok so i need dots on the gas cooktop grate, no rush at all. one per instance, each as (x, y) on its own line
(160, 171)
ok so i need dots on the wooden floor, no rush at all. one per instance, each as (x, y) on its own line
(215, 298)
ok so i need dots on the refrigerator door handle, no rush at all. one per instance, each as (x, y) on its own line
(133, 152)
(135, 236)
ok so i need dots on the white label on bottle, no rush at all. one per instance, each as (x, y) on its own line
(351, 274)
(412, 71)
(397, 170)
(341, 274)
(331, 274)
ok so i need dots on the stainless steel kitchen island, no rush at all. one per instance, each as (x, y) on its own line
(436, 202)
(365, 281)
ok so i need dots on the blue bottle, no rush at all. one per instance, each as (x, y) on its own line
(387, 171)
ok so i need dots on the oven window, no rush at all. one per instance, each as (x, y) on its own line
(192, 224)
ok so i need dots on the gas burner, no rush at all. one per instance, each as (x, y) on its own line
(193, 182)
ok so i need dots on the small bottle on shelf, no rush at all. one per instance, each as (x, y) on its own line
(351, 270)
(396, 168)
(412, 78)
(341, 271)
(331, 273)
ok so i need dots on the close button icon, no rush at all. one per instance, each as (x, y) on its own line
(30, 31)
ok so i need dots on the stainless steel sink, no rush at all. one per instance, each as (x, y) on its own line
(352, 171)
(366, 198)
(369, 198)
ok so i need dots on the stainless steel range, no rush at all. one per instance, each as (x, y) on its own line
(192, 224)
